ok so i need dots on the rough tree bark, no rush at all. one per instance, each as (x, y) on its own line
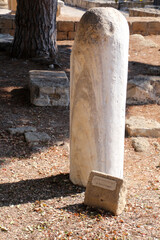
(35, 34)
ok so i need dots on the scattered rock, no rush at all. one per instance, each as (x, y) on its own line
(142, 42)
(150, 43)
(143, 89)
(48, 88)
(140, 144)
(51, 66)
(10, 122)
(35, 137)
(59, 143)
(137, 37)
(37, 148)
(142, 127)
(105, 191)
(21, 130)
(154, 70)
(157, 146)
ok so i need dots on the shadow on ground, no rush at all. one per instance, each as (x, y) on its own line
(16, 109)
(83, 210)
(37, 189)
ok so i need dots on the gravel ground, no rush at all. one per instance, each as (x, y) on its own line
(37, 199)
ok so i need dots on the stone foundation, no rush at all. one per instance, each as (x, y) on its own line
(66, 29)
(87, 4)
(144, 12)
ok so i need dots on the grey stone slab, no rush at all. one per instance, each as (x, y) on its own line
(155, 70)
(5, 41)
(48, 88)
(21, 130)
(35, 137)
(107, 192)
(142, 127)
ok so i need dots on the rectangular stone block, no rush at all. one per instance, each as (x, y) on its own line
(105, 191)
(71, 35)
(48, 88)
(154, 27)
(84, 4)
(139, 28)
(65, 26)
(7, 23)
(62, 36)
(7, 31)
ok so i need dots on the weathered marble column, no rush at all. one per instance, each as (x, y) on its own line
(99, 66)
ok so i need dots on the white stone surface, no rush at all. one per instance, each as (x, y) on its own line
(99, 64)
(3, 3)
(48, 88)
(141, 127)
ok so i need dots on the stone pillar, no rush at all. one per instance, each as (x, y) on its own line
(60, 4)
(99, 67)
(12, 5)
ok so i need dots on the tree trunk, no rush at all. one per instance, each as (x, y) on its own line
(35, 34)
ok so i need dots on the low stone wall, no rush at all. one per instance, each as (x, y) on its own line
(144, 12)
(7, 24)
(86, 4)
(66, 29)
(144, 25)
(132, 4)
(3, 3)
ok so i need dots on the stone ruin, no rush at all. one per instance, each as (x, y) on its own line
(99, 66)
(48, 88)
